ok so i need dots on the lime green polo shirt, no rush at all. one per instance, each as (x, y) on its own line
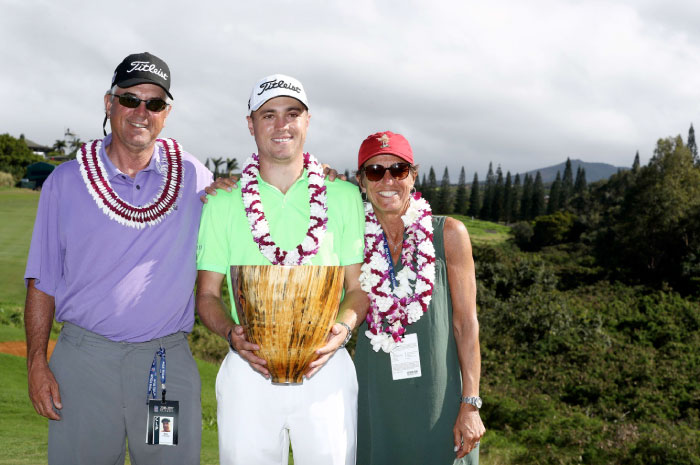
(225, 238)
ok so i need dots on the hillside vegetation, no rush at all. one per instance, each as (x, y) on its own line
(580, 370)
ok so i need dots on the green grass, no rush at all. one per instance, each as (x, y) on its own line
(484, 232)
(23, 433)
(11, 333)
(17, 210)
(210, 440)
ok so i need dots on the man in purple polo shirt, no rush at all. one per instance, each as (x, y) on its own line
(113, 256)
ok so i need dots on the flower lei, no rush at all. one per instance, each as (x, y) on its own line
(93, 172)
(260, 228)
(400, 307)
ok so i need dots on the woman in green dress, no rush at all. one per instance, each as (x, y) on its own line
(417, 356)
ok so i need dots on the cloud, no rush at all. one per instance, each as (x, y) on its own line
(522, 84)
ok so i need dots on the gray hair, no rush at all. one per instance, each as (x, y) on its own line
(111, 91)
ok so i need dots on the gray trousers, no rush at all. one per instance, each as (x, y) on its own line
(103, 387)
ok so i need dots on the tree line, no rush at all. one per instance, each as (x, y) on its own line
(15, 156)
(641, 225)
(502, 198)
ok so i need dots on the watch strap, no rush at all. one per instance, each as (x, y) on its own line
(471, 400)
(349, 335)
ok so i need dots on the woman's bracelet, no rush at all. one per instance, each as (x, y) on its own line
(347, 338)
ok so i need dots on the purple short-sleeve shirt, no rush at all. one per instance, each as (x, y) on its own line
(123, 283)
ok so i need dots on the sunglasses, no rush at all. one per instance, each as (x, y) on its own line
(397, 170)
(131, 101)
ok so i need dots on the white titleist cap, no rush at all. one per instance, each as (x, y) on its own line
(275, 85)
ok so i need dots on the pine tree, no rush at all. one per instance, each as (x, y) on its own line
(526, 199)
(538, 206)
(691, 143)
(417, 185)
(554, 202)
(580, 199)
(474, 198)
(432, 180)
(635, 164)
(567, 184)
(508, 199)
(461, 204)
(444, 195)
(580, 184)
(499, 197)
(430, 189)
(515, 203)
(487, 205)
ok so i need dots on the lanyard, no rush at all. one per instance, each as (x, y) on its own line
(153, 377)
(391, 262)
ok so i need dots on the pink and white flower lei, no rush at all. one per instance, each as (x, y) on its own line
(318, 218)
(93, 172)
(400, 307)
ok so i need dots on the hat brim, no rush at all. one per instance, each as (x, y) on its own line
(136, 81)
(274, 97)
(402, 156)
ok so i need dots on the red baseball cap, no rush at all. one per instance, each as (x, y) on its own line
(384, 142)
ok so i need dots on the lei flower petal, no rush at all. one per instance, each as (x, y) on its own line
(260, 228)
(92, 171)
(401, 306)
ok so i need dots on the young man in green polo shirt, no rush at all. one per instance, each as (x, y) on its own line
(284, 213)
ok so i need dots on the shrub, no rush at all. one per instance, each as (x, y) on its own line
(206, 345)
(590, 373)
(522, 233)
(553, 229)
(6, 179)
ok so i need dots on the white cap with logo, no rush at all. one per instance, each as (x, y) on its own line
(276, 85)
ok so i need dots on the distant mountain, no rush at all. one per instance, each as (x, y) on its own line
(594, 171)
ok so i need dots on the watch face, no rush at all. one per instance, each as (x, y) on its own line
(477, 402)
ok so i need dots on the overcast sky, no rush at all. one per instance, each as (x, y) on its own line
(524, 84)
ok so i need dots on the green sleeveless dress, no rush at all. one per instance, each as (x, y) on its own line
(410, 421)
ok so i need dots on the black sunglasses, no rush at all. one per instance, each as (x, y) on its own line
(397, 170)
(131, 101)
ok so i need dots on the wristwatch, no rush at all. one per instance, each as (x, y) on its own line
(475, 401)
(228, 339)
(347, 337)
